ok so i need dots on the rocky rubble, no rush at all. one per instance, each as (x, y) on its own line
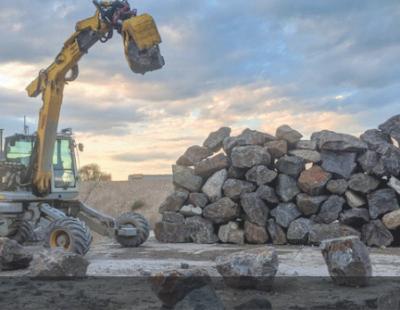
(259, 188)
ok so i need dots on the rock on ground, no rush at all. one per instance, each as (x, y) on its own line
(288, 134)
(363, 183)
(348, 261)
(309, 205)
(255, 209)
(184, 177)
(286, 187)
(255, 234)
(341, 165)
(251, 269)
(250, 156)
(261, 175)
(174, 201)
(285, 213)
(376, 234)
(231, 233)
(314, 180)
(213, 186)
(234, 188)
(172, 232)
(382, 201)
(209, 166)
(13, 256)
(337, 187)
(201, 230)
(193, 155)
(330, 210)
(222, 211)
(216, 138)
(276, 233)
(277, 148)
(392, 220)
(299, 230)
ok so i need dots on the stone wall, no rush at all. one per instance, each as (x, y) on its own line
(258, 188)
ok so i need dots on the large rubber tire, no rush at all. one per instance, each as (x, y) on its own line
(137, 221)
(24, 232)
(69, 233)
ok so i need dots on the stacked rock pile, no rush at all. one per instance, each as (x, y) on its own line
(259, 188)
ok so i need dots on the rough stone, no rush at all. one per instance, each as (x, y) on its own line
(185, 178)
(253, 137)
(56, 263)
(222, 211)
(363, 183)
(290, 165)
(190, 210)
(268, 194)
(368, 161)
(193, 155)
(277, 148)
(320, 232)
(172, 232)
(201, 230)
(288, 134)
(340, 164)
(174, 201)
(354, 200)
(394, 184)
(201, 298)
(299, 230)
(337, 142)
(234, 188)
(392, 220)
(308, 156)
(228, 144)
(213, 186)
(287, 188)
(198, 200)
(285, 213)
(348, 261)
(309, 205)
(255, 209)
(337, 187)
(13, 256)
(250, 269)
(250, 156)
(376, 234)
(276, 233)
(382, 201)
(314, 180)
(375, 138)
(216, 138)
(355, 217)
(330, 210)
(211, 165)
(231, 233)
(261, 175)
(392, 127)
(255, 234)
(391, 161)
(306, 145)
(173, 217)
(236, 173)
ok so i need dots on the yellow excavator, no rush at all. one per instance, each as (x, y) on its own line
(39, 178)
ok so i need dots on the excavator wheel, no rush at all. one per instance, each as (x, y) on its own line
(133, 220)
(70, 234)
(24, 232)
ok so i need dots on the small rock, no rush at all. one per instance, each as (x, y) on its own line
(330, 210)
(213, 186)
(250, 156)
(222, 211)
(348, 261)
(299, 230)
(320, 232)
(337, 187)
(201, 230)
(287, 188)
(355, 217)
(174, 201)
(276, 233)
(288, 134)
(337, 142)
(314, 180)
(193, 155)
(368, 161)
(13, 256)
(306, 145)
(392, 127)
(198, 200)
(261, 175)
(395, 184)
(236, 173)
(268, 194)
(340, 164)
(190, 210)
(201, 298)
(185, 178)
(363, 183)
(173, 217)
(235, 188)
(172, 232)
(308, 156)
(216, 138)
(309, 205)
(290, 165)
(56, 263)
(255, 234)
(354, 200)
(255, 209)
(392, 220)
(255, 304)
(209, 166)
(253, 137)
(277, 148)
(375, 138)
(376, 234)
(230, 233)
(250, 269)
(382, 201)
(285, 213)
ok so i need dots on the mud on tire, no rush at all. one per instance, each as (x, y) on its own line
(137, 221)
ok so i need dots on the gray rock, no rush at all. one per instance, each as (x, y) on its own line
(213, 186)
(172, 232)
(201, 230)
(173, 217)
(368, 161)
(290, 165)
(193, 155)
(354, 200)
(174, 201)
(285, 213)
(337, 187)
(288, 134)
(376, 234)
(286, 188)
(185, 178)
(391, 160)
(255, 209)
(268, 194)
(250, 156)
(211, 165)
(236, 173)
(231, 233)
(216, 138)
(253, 137)
(320, 232)
(363, 183)
(198, 200)
(330, 210)
(337, 142)
(314, 180)
(276, 233)
(190, 210)
(222, 211)
(228, 144)
(382, 201)
(392, 220)
(201, 298)
(277, 148)
(348, 261)
(306, 145)
(299, 230)
(56, 263)
(380, 170)
(375, 138)
(354, 217)
(235, 188)
(340, 164)
(308, 156)
(250, 269)
(394, 184)
(392, 127)
(13, 256)
(309, 205)
(261, 175)
(255, 234)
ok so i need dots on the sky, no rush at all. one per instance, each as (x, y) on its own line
(258, 64)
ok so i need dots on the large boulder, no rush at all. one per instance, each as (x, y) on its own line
(267, 194)
(348, 261)
(250, 269)
(299, 230)
(368, 161)
(392, 220)
(330, 210)
(255, 209)
(341, 165)
(193, 155)
(222, 211)
(253, 137)
(228, 144)
(184, 177)
(174, 201)
(375, 138)
(176, 232)
(389, 163)
(213, 186)
(320, 232)
(276, 233)
(234, 188)
(255, 234)
(277, 148)
(355, 217)
(250, 156)
(215, 139)
(309, 205)
(13, 256)
(307, 145)
(308, 156)
(209, 166)
(337, 142)
(392, 127)
(201, 230)
(286, 187)
(231, 233)
(290, 165)
(363, 183)
(314, 180)
(285, 213)
(288, 134)
(337, 187)
(237, 173)
(173, 217)
(376, 234)
(261, 175)
(382, 201)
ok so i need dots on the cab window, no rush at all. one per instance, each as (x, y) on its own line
(63, 165)
(19, 151)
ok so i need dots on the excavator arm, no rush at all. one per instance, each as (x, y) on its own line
(141, 39)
